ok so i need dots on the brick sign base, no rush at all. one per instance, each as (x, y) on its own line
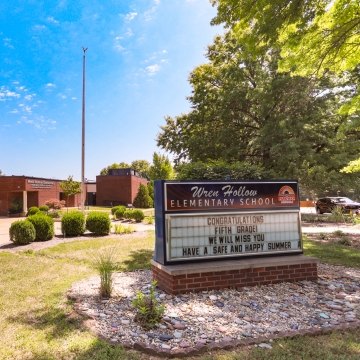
(177, 279)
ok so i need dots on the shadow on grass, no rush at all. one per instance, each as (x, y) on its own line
(139, 259)
(54, 322)
(99, 350)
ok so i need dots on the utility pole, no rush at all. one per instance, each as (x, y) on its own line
(83, 195)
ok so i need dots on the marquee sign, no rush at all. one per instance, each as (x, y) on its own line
(220, 220)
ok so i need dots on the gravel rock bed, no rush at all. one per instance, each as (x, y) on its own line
(207, 320)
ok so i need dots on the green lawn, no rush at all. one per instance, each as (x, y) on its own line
(34, 321)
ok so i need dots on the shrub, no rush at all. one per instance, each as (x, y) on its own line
(73, 223)
(98, 223)
(32, 211)
(114, 208)
(44, 226)
(143, 199)
(55, 214)
(44, 208)
(55, 204)
(22, 232)
(119, 212)
(148, 310)
(137, 215)
(128, 214)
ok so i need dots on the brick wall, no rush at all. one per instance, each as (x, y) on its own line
(114, 190)
(235, 278)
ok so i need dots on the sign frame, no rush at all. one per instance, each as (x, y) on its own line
(172, 198)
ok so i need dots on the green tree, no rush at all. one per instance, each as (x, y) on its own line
(315, 37)
(142, 167)
(244, 110)
(324, 32)
(161, 168)
(352, 167)
(121, 165)
(143, 199)
(70, 188)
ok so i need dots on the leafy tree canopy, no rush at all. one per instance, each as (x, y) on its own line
(315, 37)
(161, 168)
(121, 165)
(244, 110)
(70, 187)
(352, 167)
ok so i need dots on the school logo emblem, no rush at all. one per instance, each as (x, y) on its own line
(286, 195)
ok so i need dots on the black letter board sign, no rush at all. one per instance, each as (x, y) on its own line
(218, 220)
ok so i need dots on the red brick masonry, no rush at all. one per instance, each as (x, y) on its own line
(176, 279)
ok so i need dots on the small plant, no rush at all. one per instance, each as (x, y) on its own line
(32, 211)
(345, 241)
(73, 223)
(337, 215)
(22, 232)
(134, 214)
(16, 206)
(55, 214)
(104, 262)
(138, 215)
(119, 212)
(339, 233)
(149, 311)
(128, 214)
(44, 208)
(114, 208)
(44, 226)
(149, 220)
(98, 223)
(323, 236)
(121, 229)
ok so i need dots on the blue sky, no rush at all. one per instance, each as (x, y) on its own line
(140, 54)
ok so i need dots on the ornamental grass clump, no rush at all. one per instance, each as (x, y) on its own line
(104, 263)
(149, 312)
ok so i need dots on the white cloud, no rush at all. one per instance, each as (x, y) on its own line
(6, 94)
(152, 69)
(8, 43)
(39, 27)
(52, 20)
(131, 16)
(50, 86)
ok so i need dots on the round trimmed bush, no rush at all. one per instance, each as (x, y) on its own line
(44, 208)
(22, 232)
(73, 223)
(44, 226)
(138, 215)
(32, 211)
(114, 208)
(98, 223)
(128, 214)
(119, 213)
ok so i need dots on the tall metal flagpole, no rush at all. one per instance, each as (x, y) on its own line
(83, 195)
